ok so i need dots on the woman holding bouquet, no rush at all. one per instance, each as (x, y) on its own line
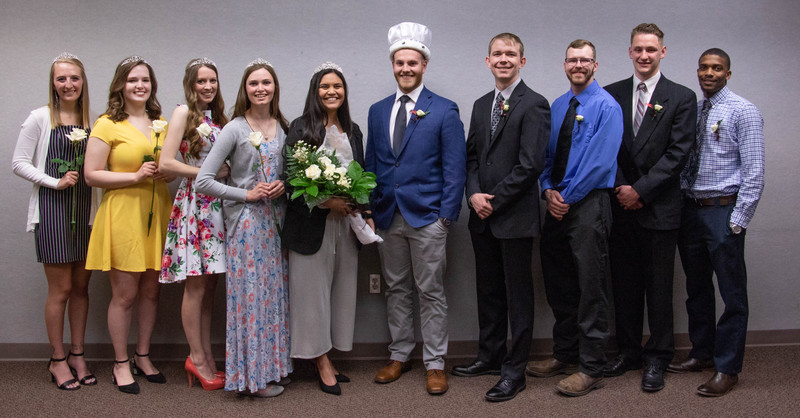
(257, 338)
(195, 247)
(323, 250)
(60, 212)
(128, 234)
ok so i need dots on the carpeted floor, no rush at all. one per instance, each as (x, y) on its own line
(767, 387)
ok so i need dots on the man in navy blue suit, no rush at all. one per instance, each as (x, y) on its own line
(416, 148)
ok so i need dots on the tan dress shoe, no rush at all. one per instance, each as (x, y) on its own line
(549, 367)
(579, 384)
(436, 382)
(392, 371)
(718, 385)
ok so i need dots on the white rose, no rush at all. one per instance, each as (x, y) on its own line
(341, 171)
(256, 138)
(159, 126)
(658, 107)
(77, 135)
(204, 130)
(329, 171)
(344, 182)
(313, 172)
(325, 161)
(579, 118)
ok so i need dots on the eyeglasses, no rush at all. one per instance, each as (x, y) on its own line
(579, 61)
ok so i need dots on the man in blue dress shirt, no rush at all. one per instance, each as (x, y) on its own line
(580, 167)
(722, 184)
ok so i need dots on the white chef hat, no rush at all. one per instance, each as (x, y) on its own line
(410, 35)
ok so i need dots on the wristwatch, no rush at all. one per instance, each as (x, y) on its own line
(736, 229)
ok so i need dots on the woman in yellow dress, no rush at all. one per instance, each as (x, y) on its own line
(129, 230)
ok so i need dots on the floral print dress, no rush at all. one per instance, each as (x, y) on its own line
(196, 232)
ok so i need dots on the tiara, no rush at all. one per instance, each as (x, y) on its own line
(328, 65)
(133, 58)
(65, 56)
(202, 61)
(258, 61)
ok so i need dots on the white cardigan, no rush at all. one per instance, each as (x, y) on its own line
(29, 161)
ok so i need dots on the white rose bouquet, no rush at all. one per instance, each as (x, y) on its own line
(75, 137)
(317, 175)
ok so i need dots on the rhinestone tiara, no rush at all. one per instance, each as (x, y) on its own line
(259, 61)
(65, 56)
(133, 58)
(202, 61)
(328, 65)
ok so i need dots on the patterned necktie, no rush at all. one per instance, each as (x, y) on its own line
(693, 161)
(641, 90)
(400, 125)
(564, 143)
(497, 112)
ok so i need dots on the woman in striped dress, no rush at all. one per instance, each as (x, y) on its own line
(60, 212)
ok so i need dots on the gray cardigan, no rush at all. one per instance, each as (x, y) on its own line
(243, 158)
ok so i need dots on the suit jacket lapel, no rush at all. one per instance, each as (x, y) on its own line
(626, 103)
(423, 103)
(513, 101)
(651, 118)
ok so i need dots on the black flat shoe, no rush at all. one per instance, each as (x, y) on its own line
(334, 389)
(63, 385)
(89, 379)
(342, 378)
(131, 388)
(152, 378)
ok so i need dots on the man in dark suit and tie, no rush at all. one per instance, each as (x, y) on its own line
(508, 133)
(416, 148)
(659, 118)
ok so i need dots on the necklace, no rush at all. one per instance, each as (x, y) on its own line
(267, 129)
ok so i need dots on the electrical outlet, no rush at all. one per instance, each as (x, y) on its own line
(374, 283)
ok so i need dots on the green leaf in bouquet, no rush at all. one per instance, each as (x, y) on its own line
(312, 190)
(297, 193)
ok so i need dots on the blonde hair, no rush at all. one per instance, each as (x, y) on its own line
(195, 117)
(83, 100)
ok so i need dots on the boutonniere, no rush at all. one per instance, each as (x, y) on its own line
(579, 119)
(656, 109)
(505, 107)
(715, 129)
(419, 114)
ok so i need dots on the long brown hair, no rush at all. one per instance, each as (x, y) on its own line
(116, 92)
(195, 117)
(243, 102)
(54, 103)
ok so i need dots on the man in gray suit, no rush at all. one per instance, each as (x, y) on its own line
(508, 133)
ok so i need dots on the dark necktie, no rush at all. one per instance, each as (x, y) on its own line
(693, 160)
(400, 125)
(641, 107)
(497, 112)
(564, 142)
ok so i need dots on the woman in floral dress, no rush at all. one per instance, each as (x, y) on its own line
(195, 246)
(257, 338)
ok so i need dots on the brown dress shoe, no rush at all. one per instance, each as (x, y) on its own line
(549, 367)
(579, 384)
(436, 382)
(690, 365)
(718, 385)
(392, 371)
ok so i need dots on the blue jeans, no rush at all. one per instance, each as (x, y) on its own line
(708, 246)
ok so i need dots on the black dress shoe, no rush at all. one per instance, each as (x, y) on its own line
(653, 378)
(620, 365)
(477, 368)
(333, 389)
(505, 389)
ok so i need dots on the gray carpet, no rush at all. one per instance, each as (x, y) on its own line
(768, 386)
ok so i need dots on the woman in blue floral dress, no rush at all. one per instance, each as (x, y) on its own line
(195, 245)
(257, 338)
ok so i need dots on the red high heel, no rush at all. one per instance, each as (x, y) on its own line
(192, 373)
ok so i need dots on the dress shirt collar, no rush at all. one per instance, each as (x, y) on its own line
(588, 91)
(414, 95)
(650, 83)
(508, 91)
(720, 96)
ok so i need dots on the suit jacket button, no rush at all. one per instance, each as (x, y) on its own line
(397, 164)
(488, 163)
(396, 186)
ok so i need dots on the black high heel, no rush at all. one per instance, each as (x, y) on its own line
(83, 379)
(132, 388)
(65, 385)
(333, 389)
(152, 378)
(342, 378)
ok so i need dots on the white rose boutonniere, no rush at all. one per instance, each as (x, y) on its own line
(204, 130)
(715, 129)
(419, 114)
(579, 119)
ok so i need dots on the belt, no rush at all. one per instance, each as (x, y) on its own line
(714, 201)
